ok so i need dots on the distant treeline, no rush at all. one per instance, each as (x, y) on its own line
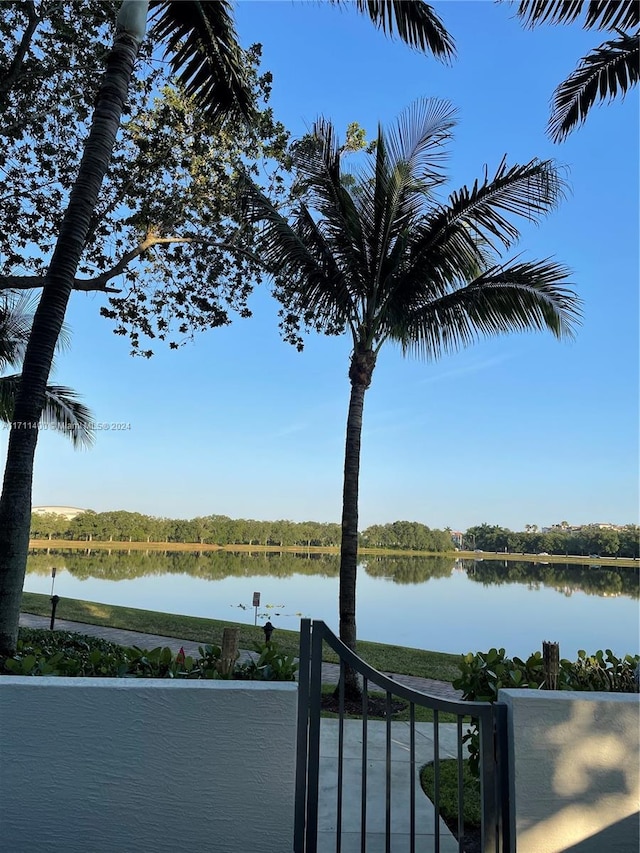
(122, 526)
(584, 541)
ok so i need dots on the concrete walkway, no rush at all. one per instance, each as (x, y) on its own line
(400, 776)
(400, 769)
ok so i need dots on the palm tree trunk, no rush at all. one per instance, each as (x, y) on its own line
(15, 503)
(362, 365)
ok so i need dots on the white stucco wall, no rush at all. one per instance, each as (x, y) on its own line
(575, 771)
(151, 766)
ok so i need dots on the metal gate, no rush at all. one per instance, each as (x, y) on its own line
(355, 801)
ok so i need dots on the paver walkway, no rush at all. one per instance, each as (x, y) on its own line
(152, 641)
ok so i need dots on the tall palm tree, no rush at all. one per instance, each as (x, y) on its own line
(201, 41)
(608, 71)
(62, 409)
(376, 255)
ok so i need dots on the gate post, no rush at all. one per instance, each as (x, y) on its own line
(504, 804)
(302, 736)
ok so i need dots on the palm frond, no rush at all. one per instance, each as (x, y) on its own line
(420, 136)
(534, 12)
(530, 191)
(320, 184)
(599, 14)
(610, 70)
(300, 255)
(518, 296)
(62, 410)
(203, 51)
(456, 238)
(284, 244)
(415, 22)
(407, 166)
(612, 14)
(332, 298)
(8, 389)
(16, 318)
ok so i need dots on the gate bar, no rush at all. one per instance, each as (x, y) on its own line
(500, 710)
(302, 741)
(315, 697)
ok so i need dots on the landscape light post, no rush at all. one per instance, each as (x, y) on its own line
(268, 631)
(54, 603)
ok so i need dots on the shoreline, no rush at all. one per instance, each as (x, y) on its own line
(194, 547)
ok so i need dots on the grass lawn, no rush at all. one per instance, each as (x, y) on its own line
(383, 657)
(449, 793)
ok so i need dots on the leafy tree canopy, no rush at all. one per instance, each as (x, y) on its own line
(165, 242)
(583, 541)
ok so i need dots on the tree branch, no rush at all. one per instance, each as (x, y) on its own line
(16, 65)
(31, 282)
(99, 283)
(228, 247)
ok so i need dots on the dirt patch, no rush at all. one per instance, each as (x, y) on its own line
(471, 840)
(377, 707)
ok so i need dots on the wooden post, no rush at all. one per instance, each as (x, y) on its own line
(230, 653)
(551, 658)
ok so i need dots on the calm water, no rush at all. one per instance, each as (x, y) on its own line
(430, 603)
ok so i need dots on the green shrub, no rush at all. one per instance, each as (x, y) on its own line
(484, 673)
(271, 665)
(42, 652)
(601, 672)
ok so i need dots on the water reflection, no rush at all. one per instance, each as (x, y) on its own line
(215, 565)
(426, 602)
(564, 577)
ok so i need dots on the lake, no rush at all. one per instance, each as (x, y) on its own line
(433, 603)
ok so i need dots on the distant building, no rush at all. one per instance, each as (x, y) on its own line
(576, 528)
(457, 538)
(67, 512)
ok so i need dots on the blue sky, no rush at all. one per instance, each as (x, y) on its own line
(514, 430)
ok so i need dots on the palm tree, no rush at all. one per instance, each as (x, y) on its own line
(375, 254)
(608, 71)
(200, 38)
(62, 409)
